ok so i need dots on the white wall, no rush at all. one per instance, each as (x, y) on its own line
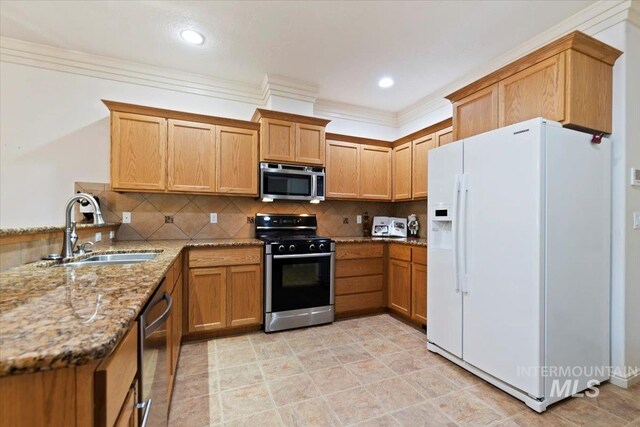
(625, 244)
(54, 131)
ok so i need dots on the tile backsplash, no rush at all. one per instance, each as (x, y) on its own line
(159, 216)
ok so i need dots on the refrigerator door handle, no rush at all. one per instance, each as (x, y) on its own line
(454, 231)
(464, 189)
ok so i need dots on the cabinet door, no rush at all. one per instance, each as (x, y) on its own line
(192, 156)
(343, 170)
(375, 172)
(399, 298)
(207, 298)
(138, 152)
(537, 91)
(477, 113)
(309, 144)
(176, 336)
(402, 172)
(419, 292)
(278, 138)
(237, 161)
(420, 169)
(129, 413)
(444, 136)
(244, 295)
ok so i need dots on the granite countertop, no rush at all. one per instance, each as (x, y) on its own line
(56, 317)
(51, 228)
(400, 240)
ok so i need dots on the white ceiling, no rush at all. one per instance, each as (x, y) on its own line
(342, 47)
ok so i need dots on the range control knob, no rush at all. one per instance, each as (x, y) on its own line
(321, 247)
(281, 248)
(292, 248)
(312, 247)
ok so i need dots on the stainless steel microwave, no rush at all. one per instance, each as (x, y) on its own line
(291, 182)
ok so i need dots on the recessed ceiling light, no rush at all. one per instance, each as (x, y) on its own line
(192, 37)
(385, 82)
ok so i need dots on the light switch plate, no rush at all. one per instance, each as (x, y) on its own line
(126, 217)
(358, 219)
(636, 220)
(112, 234)
(213, 218)
(98, 237)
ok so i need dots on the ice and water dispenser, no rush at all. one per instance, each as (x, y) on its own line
(440, 233)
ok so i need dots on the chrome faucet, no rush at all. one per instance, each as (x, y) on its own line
(70, 235)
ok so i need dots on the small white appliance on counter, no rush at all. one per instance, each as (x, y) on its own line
(387, 226)
(519, 249)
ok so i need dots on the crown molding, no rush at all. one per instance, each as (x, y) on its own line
(592, 20)
(339, 110)
(56, 59)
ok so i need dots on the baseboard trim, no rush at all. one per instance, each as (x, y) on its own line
(625, 382)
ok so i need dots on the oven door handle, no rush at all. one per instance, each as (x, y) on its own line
(151, 328)
(328, 254)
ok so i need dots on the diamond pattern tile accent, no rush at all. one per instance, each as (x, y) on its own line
(190, 219)
(168, 204)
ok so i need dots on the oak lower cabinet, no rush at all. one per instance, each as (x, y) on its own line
(358, 171)
(138, 152)
(291, 138)
(224, 288)
(359, 278)
(407, 281)
(174, 322)
(98, 393)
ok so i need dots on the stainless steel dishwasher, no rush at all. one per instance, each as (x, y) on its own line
(152, 359)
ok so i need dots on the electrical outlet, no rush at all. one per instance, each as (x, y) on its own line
(98, 237)
(112, 234)
(636, 220)
(345, 220)
(358, 219)
(168, 219)
(213, 218)
(126, 217)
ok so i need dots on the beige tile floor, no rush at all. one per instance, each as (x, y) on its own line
(372, 371)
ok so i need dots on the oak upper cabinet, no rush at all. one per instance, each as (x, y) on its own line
(537, 91)
(138, 152)
(191, 157)
(244, 295)
(207, 299)
(444, 136)
(402, 168)
(420, 166)
(291, 138)
(310, 144)
(570, 80)
(375, 172)
(236, 161)
(343, 170)
(477, 113)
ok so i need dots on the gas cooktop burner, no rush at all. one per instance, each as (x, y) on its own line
(291, 234)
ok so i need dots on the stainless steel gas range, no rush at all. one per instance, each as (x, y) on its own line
(299, 272)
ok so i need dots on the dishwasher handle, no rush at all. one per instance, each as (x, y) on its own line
(147, 408)
(151, 328)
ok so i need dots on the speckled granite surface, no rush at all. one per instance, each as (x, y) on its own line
(50, 228)
(414, 242)
(55, 317)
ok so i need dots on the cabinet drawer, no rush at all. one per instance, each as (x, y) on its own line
(224, 256)
(368, 300)
(359, 267)
(401, 252)
(419, 255)
(354, 285)
(113, 379)
(359, 250)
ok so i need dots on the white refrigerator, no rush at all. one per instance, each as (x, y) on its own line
(519, 259)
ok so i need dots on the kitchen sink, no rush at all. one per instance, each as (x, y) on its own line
(111, 259)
